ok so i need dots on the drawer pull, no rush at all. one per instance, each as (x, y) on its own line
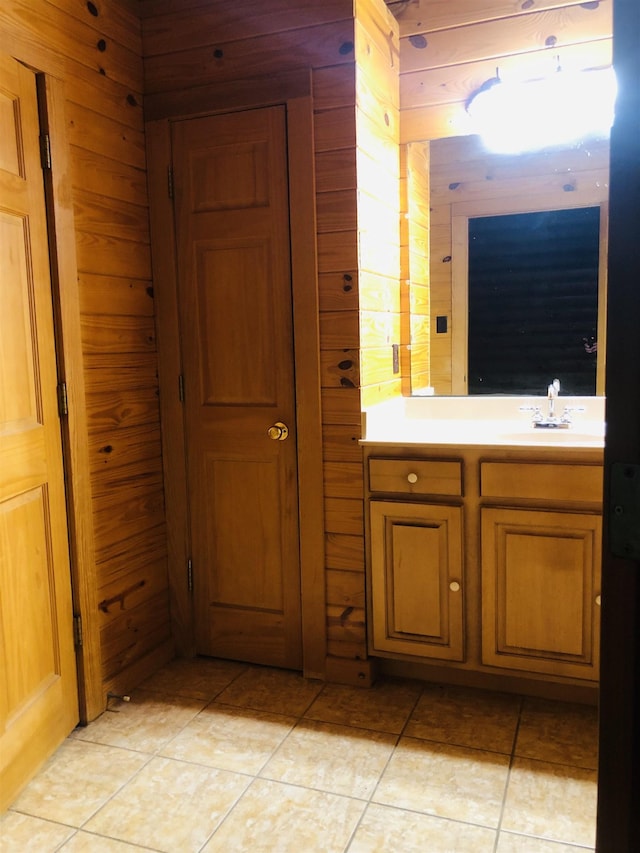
(598, 600)
(454, 586)
(412, 478)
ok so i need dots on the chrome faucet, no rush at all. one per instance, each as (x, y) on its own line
(552, 392)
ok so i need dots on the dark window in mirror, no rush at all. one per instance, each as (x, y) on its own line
(533, 302)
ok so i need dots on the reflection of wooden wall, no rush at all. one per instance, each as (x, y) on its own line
(442, 64)
(97, 55)
(414, 252)
(377, 132)
(466, 180)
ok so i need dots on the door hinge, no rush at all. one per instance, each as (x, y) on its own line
(181, 388)
(190, 575)
(77, 631)
(45, 150)
(63, 400)
(170, 181)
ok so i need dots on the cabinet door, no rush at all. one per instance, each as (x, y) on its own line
(416, 579)
(540, 591)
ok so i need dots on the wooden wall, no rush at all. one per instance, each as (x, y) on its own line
(95, 50)
(414, 270)
(351, 56)
(466, 180)
(372, 313)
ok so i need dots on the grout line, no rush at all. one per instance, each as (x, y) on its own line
(512, 758)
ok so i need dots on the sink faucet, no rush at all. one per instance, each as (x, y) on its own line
(552, 392)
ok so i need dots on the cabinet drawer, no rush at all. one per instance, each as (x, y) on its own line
(416, 476)
(540, 481)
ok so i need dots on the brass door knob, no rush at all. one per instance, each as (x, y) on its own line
(278, 432)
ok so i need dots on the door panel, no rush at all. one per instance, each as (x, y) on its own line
(38, 688)
(232, 234)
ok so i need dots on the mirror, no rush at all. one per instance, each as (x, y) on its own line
(483, 195)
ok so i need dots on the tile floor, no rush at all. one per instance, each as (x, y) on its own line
(217, 756)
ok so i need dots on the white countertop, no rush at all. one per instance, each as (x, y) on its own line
(491, 422)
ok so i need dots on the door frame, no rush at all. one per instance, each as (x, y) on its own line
(69, 355)
(74, 426)
(618, 826)
(294, 92)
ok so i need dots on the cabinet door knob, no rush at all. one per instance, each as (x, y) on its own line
(598, 600)
(412, 478)
(454, 586)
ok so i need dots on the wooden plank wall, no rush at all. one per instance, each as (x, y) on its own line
(373, 314)
(415, 267)
(193, 43)
(466, 179)
(378, 172)
(95, 48)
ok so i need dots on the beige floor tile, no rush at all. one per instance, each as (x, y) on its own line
(278, 691)
(510, 843)
(556, 731)
(551, 801)
(337, 759)
(145, 723)
(197, 678)
(272, 817)
(387, 830)
(230, 738)
(77, 780)
(447, 781)
(21, 832)
(85, 842)
(385, 707)
(170, 806)
(466, 717)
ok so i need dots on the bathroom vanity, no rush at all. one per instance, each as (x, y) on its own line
(484, 543)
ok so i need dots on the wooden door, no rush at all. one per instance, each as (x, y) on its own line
(416, 580)
(541, 591)
(38, 687)
(234, 285)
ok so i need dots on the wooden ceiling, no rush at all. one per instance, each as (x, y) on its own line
(449, 48)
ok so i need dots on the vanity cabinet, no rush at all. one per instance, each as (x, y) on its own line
(540, 568)
(540, 604)
(416, 579)
(486, 563)
(416, 558)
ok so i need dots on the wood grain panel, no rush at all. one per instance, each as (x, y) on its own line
(118, 448)
(101, 294)
(345, 588)
(422, 16)
(114, 333)
(340, 442)
(132, 634)
(344, 515)
(338, 291)
(444, 84)
(102, 176)
(111, 20)
(74, 38)
(229, 23)
(99, 253)
(508, 36)
(341, 406)
(343, 480)
(327, 44)
(334, 86)
(344, 552)
(94, 132)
